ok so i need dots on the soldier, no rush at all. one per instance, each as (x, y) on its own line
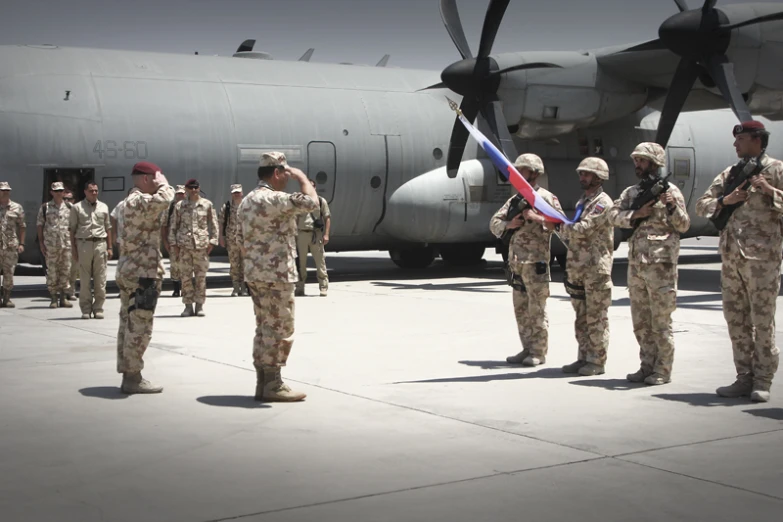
(140, 273)
(230, 240)
(588, 279)
(313, 236)
(12, 232)
(70, 292)
(91, 230)
(528, 262)
(193, 233)
(55, 240)
(267, 229)
(654, 247)
(750, 246)
(173, 265)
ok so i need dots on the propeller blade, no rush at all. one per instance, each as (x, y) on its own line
(383, 61)
(761, 19)
(722, 71)
(652, 45)
(495, 12)
(681, 5)
(247, 45)
(450, 16)
(459, 136)
(708, 5)
(307, 55)
(533, 65)
(493, 114)
(440, 85)
(682, 83)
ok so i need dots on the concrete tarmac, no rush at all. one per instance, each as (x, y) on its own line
(412, 412)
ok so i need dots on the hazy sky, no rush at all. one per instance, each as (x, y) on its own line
(356, 31)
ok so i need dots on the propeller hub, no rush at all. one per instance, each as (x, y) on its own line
(472, 77)
(695, 35)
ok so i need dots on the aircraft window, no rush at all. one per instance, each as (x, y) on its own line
(682, 168)
(375, 182)
(321, 178)
(550, 113)
(437, 153)
(598, 147)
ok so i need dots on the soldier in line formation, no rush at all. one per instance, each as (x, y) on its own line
(750, 246)
(229, 239)
(12, 234)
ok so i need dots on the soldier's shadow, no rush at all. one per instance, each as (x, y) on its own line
(233, 401)
(104, 392)
(609, 384)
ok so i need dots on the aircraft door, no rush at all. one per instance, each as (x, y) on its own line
(682, 166)
(322, 167)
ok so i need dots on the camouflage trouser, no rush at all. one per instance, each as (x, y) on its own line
(304, 244)
(135, 331)
(73, 277)
(193, 265)
(235, 260)
(592, 316)
(750, 289)
(92, 266)
(653, 292)
(174, 266)
(8, 260)
(530, 310)
(58, 264)
(273, 304)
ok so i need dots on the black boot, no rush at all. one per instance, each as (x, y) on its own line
(177, 289)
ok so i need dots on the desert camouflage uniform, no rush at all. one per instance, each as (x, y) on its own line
(141, 258)
(165, 222)
(267, 230)
(11, 218)
(654, 248)
(57, 240)
(529, 254)
(311, 240)
(590, 245)
(193, 227)
(233, 243)
(750, 248)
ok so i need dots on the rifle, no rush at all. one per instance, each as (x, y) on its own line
(739, 176)
(512, 212)
(652, 188)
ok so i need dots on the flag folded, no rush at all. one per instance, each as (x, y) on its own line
(514, 177)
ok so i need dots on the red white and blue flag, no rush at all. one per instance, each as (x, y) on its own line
(514, 177)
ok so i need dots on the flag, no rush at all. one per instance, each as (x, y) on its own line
(514, 177)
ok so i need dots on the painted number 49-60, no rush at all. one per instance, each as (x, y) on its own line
(129, 149)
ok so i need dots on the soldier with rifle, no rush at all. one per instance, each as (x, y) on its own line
(745, 203)
(655, 210)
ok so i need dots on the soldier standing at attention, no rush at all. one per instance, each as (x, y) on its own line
(12, 232)
(267, 229)
(750, 244)
(173, 264)
(654, 248)
(313, 236)
(70, 292)
(193, 233)
(528, 262)
(588, 279)
(230, 240)
(140, 273)
(92, 246)
(55, 240)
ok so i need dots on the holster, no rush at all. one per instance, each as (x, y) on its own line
(575, 291)
(146, 295)
(515, 281)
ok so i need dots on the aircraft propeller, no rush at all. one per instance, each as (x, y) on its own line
(700, 37)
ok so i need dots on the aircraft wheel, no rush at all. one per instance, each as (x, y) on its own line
(462, 254)
(412, 258)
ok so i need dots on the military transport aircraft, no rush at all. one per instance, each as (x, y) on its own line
(382, 143)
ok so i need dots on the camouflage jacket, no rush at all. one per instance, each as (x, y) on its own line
(232, 228)
(530, 242)
(657, 238)
(11, 218)
(754, 230)
(55, 222)
(193, 225)
(141, 234)
(267, 230)
(590, 241)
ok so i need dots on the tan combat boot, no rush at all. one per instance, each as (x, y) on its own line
(275, 390)
(656, 379)
(518, 358)
(64, 302)
(640, 375)
(322, 291)
(735, 390)
(200, 310)
(53, 304)
(259, 396)
(760, 394)
(7, 299)
(132, 382)
(573, 367)
(590, 369)
(188, 311)
(531, 360)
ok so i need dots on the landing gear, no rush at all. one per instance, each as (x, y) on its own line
(467, 254)
(412, 258)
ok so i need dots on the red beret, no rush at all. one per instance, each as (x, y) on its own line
(749, 126)
(192, 183)
(145, 167)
